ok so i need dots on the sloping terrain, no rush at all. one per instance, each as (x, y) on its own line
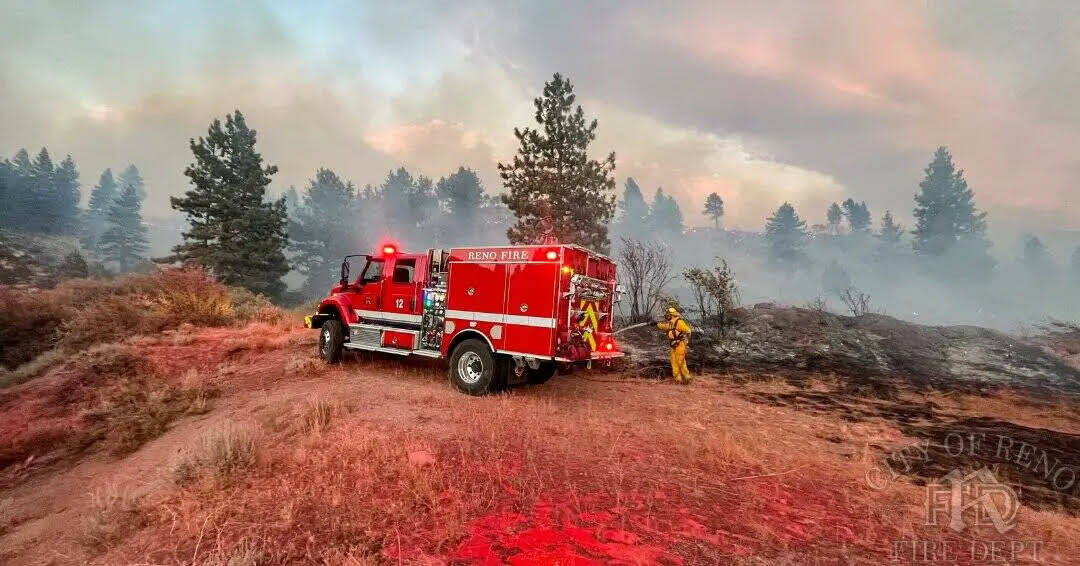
(876, 352)
(377, 460)
(38, 261)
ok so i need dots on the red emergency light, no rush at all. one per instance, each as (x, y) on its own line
(552, 254)
(389, 250)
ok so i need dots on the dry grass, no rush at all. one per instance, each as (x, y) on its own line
(613, 470)
(109, 396)
(317, 413)
(114, 514)
(221, 456)
(82, 312)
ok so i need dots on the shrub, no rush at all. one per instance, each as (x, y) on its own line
(219, 456)
(114, 514)
(29, 324)
(82, 312)
(715, 293)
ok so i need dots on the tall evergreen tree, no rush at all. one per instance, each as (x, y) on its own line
(1036, 258)
(714, 208)
(553, 186)
(8, 203)
(325, 228)
(463, 203)
(665, 217)
(64, 198)
(785, 234)
(292, 201)
(890, 230)
(101, 199)
(124, 240)
(131, 176)
(945, 209)
(1074, 262)
(234, 230)
(633, 210)
(857, 214)
(833, 216)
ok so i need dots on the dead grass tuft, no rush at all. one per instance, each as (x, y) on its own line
(115, 513)
(220, 456)
(317, 413)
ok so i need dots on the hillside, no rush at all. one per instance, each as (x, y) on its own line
(233, 444)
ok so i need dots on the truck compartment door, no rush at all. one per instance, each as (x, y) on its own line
(475, 295)
(532, 297)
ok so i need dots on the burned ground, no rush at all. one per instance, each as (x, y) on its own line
(876, 353)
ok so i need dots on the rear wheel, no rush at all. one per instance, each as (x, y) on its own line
(331, 341)
(473, 368)
(541, 374)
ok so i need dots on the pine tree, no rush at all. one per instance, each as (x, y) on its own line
(234, 231)
(633, 210)
(64, 210)
(552, 183)
(124, 240)
(8, 203)
(1075, 264)
(945, 209)
(785, 234)
(890, 230)
(324, 229)
(1037, 258)
(833, 216)
(714, 208)
(292, 201)
(857, 214)
(665, 217)
(101, 200)
(463, 202)
(131, 176)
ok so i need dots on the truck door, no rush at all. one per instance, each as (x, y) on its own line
(400, 288)
(370, 284)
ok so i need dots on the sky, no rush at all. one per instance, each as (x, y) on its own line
(761, 102)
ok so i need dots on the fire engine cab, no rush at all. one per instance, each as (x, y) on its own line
(498, 314)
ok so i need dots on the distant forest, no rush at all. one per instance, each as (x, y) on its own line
(938, 270)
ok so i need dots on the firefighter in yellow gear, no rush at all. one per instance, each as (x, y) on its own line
(678, 334)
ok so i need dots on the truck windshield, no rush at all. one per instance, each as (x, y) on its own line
(372, 271)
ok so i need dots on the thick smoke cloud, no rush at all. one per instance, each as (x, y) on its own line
(808, 102)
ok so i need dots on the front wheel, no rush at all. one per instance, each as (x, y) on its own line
(331, 341)
(473, 368)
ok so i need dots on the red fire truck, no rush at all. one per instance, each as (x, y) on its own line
(499, 314)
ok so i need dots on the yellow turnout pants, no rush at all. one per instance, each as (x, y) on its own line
(678, 362)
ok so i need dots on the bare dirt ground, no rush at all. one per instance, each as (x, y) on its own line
(377, 460)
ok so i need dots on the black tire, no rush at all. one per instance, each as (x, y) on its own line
(473, 368)
(540, 374)
(331, 341)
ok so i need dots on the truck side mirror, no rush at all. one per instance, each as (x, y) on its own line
(344, 281)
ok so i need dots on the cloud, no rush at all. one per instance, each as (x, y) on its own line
(808, 102)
